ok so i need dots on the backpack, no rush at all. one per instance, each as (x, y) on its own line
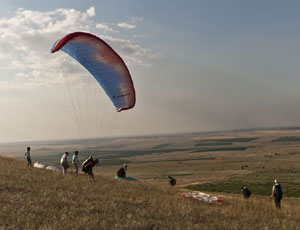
(278, 190)
(248, 193)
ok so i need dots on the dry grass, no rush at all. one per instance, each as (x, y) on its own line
(39, 199)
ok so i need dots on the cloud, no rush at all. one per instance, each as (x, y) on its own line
(133, 53)
(132, 23)
(104, 27)
(125, 25)
(91, 11)
(27, 36)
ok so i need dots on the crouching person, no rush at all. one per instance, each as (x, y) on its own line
(122, 171)
(172, 181)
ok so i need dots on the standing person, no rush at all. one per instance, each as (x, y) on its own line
(122, 171)
(246, 192)
(75, 162)
(276, 194)
(28, 157)
(87, 167)
(64, 162)
(172, 181)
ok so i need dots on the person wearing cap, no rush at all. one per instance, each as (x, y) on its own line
(75, 162)
(276, 194)
(122, 171)
(64, 162)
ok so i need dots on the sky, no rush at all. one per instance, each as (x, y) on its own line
(196, 65)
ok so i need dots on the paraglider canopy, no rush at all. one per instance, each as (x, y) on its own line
(105, 65)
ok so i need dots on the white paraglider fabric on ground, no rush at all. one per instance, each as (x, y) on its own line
(202, 196)
(52, 168)
(39, 165)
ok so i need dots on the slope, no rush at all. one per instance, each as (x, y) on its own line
(40, 199)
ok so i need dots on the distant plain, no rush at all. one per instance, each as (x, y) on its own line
(214, 162)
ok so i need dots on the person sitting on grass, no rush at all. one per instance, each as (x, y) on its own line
(122, 171)
(88, 165)
(172, 181)
(246, 192)
(64, 162)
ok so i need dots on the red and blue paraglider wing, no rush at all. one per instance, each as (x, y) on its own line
(103, 63)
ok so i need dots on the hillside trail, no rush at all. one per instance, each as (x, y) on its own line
(193, 183)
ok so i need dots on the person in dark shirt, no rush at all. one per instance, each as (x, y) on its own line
(122, 171)
(246, 192)
(276, 194)
(172, 181)
(28, 157)
(88, 168)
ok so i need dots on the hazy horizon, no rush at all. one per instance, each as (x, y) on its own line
(66, 139)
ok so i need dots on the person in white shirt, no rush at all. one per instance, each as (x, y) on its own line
(64, 162)
(28, 157)
(75, 162)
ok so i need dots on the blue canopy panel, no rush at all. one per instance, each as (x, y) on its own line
(103, 63)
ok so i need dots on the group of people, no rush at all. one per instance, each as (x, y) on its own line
(87, 165)
(276, 193)
(65, 163)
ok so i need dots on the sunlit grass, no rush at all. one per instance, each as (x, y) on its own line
(39, 199)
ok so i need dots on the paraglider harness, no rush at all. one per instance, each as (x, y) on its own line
(86, 165)
(278, 192)
(65, 165)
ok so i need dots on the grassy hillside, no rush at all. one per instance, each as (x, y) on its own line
(39, 199)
